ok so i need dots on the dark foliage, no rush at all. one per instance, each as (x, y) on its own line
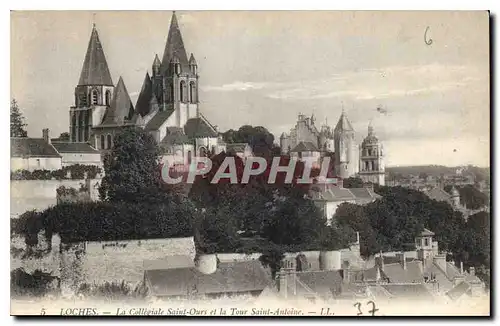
(17, 121)
(36, 284)
(103, 221)
(73, 172)
(470, 196)
(259, 138)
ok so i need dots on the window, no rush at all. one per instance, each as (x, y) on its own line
(171, 92)
(194, 69)
(183, 91)
(95, 97)
(177, 68)
(192, 92)
(203, 152)
(38, 162)
(189, 157)
(108, 98)
(102, 142)
(426, 242)
(109, 144)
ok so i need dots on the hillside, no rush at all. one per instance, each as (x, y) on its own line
(437, 170)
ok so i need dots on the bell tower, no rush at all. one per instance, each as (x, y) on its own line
(371, 161)
(180, 77)
(93, 93)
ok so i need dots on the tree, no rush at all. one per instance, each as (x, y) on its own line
(259, 138)
(17, 121)
(132, 169)
(64, 136)
(353, 182)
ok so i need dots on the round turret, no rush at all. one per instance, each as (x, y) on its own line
(206, 263)
(330, 260)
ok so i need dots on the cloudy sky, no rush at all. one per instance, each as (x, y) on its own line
(263, 68)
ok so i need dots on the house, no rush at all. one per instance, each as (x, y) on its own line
(34, 154)
(307, 150)
(77, 153)
(206, 278)
(242, 150)
(329, 198)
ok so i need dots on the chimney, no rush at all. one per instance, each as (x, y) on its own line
(440, 261)
(472, 271)
(402, 259)
(45, 133)
(461, 267)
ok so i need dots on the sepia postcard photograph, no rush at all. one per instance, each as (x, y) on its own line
(250, 163)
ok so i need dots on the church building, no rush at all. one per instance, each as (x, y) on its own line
(306, 140)
(167, 106)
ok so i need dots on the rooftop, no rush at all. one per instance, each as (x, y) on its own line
(31, 147)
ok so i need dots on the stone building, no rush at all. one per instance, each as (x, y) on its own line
(371, 159)
(167, 106)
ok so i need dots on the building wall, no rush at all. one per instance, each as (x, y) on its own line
(35, 163)
(81, 158)
(104, 261)
(40, 194)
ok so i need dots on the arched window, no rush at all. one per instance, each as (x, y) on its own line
(108, 142)
(177, 68)
(95, 97)
(171, 93)
(192, 92)
(73, 127)
(108, 98)
(102, 142)
(189, 158)
(183, 91)
(81, 124)
(86, 124)
(203, 152)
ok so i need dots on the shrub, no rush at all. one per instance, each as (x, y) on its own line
(101, 221)
(77, 172)
(37, 284)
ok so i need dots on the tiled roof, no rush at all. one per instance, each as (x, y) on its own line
(321, 282)
(408, 291)
(95, 69)
(458, 290)
(175, 136)
(438, 194)
(199, 128)
(427, 232)
(31, 147)
(234, 277)
(396, 274)
(305, 147)
(121, 109)
(67, 147)
(337, 194)
(236, 147)
(158, 120)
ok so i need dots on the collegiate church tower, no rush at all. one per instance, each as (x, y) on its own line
(180, 77)
(94, 92)
(371, 159)
(345, 148)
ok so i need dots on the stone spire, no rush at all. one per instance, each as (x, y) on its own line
(174, 46)
(343, 124)
(95, 69)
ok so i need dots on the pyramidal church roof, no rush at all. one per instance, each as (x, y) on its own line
(121, 109)
(344, 124)
(95, 69)
(175, 46)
